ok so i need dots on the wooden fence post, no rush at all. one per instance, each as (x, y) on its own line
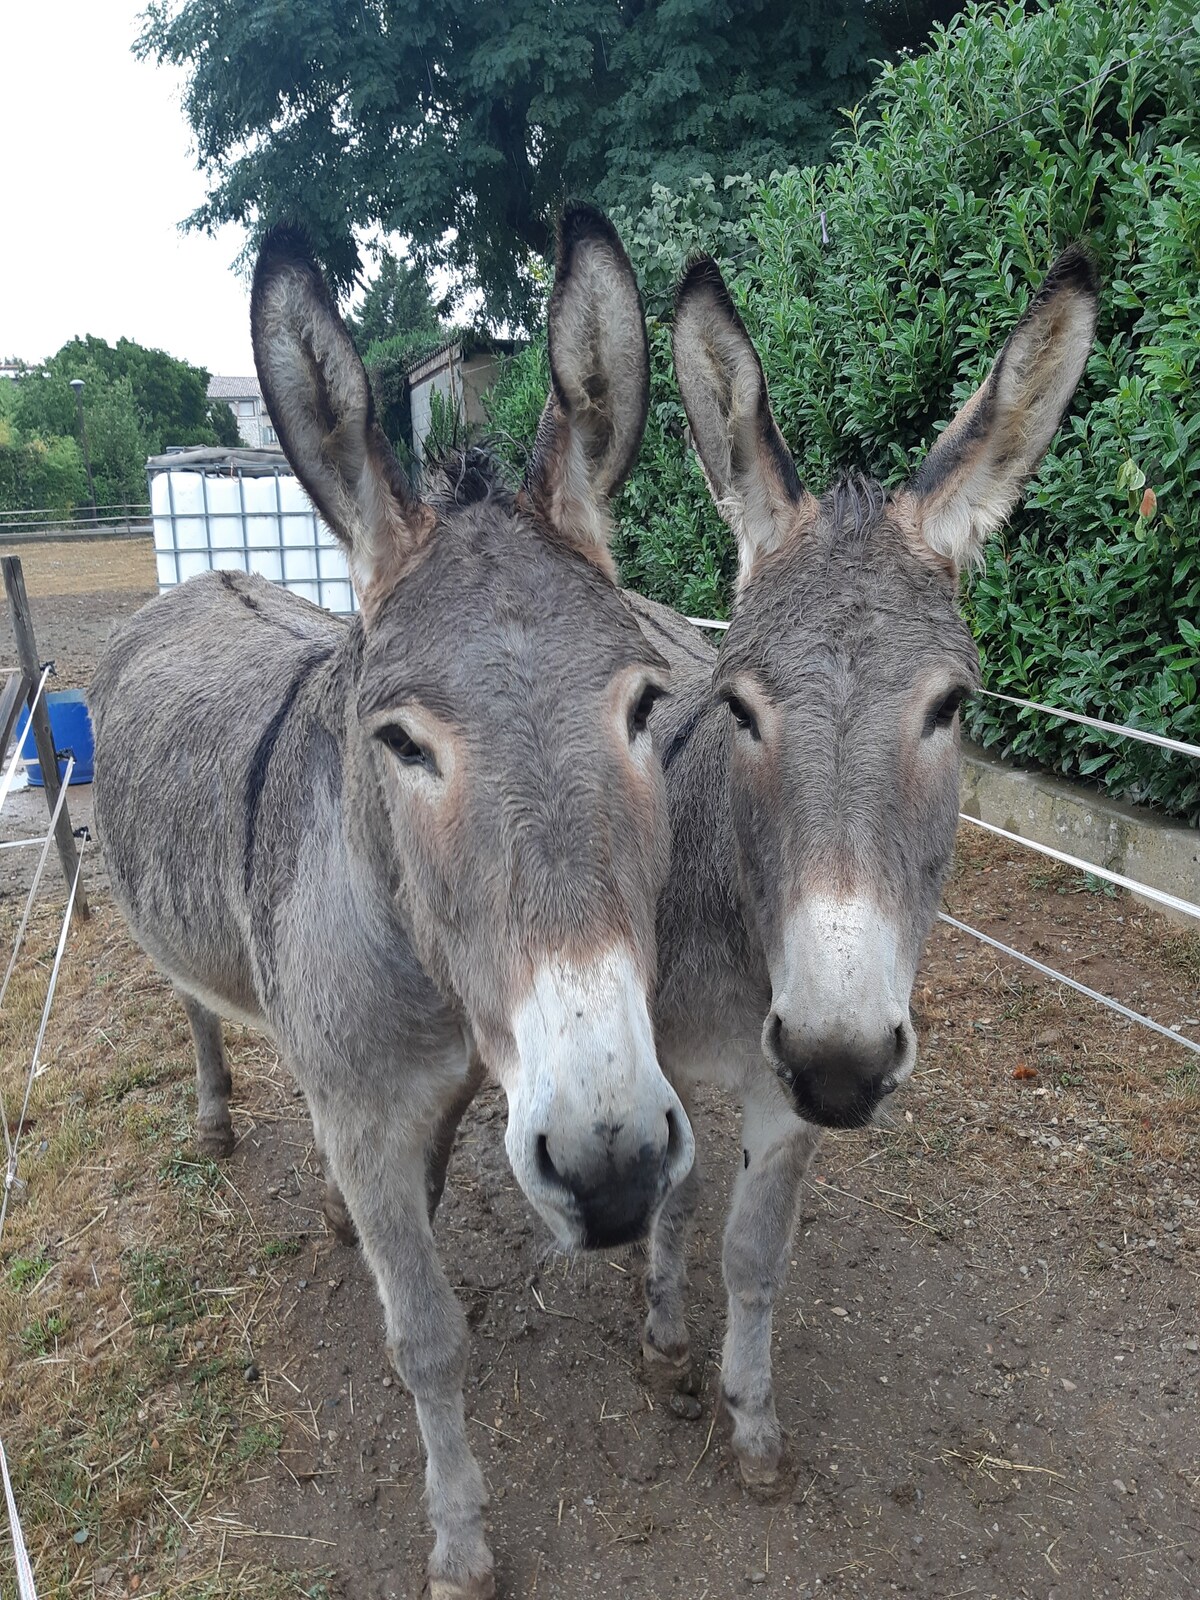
(22, 622)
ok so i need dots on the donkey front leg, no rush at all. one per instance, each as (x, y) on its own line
(776, 1150)
(377, 1161)
(214, 1125)
(665, 1346)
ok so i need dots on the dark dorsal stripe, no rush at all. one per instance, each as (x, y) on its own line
(263, 751)
(699, 653)
(682, 736)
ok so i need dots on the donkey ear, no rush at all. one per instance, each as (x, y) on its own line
(749, 469)
(970, 481)
(591, 429)
(317, 392)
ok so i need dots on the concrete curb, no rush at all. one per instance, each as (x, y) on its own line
(1131, 840)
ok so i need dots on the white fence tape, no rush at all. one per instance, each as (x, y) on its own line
(17, 759)
(25, 1588)
(12, 1141)
(1146, 890)
(1073, 983)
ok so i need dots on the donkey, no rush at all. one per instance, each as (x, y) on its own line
(432, 836)
(812, 770)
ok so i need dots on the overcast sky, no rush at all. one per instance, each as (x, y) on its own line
(98, 172)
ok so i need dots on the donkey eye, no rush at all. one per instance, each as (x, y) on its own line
(942, 714)
(639, 712)
(406, 749)
(743, 716)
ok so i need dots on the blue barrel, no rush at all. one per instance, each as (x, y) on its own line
(72, 730)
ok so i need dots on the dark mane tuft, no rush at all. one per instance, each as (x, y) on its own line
(853, 504)
(467, 477)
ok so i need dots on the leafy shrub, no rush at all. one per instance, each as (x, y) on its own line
(879, 288)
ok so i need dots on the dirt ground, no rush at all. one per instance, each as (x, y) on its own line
(987, 1356)
(79, 589)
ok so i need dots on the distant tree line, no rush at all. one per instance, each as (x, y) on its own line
(135, 402)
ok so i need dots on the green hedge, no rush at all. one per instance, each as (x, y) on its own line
(878, 289)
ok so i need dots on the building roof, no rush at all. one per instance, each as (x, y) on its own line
(465, 345)
(234, 389)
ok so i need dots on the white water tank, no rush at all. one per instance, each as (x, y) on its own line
(243, 511)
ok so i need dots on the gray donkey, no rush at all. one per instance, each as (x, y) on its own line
(812, 773)
(434, 836)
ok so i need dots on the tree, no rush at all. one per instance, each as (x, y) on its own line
(136, 401)
(397, 303)
(462, 127)
(170, 395)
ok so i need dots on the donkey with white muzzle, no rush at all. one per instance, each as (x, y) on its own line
(435, 835)
(812, 767)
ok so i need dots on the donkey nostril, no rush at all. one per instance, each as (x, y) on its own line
(775, 1034)
(901, 1038)
(547, 1171)
(674, 1136)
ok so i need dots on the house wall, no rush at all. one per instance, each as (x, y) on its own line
(464, 383)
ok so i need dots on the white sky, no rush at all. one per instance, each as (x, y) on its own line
(97, 173)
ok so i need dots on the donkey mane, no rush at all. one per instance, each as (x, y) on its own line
(468, 477)
(852, 506)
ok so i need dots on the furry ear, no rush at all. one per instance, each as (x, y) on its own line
(591, 429)
(317, 392)
(749, 469)
(973, 477)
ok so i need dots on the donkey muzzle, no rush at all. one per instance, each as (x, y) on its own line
(596, 1135)
(613, 1198)
(838, 1079)
(838, 1033)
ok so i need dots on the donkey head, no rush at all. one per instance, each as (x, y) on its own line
(843, 669)
(499, 768)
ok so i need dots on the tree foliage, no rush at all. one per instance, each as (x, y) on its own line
(879, 287)
(397, 304)
(136, 401)
(462, 127)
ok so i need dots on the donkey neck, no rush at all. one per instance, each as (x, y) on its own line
(713, 988)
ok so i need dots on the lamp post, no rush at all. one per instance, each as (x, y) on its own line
(77, 385)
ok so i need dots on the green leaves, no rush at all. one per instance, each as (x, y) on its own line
(463, 127)
(879, 288)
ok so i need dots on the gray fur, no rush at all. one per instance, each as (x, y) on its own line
(845, 639)
(384, 842)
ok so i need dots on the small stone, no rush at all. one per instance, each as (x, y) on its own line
(251, 1373)
(303, 1283)
(1068, 1385)
(685, 1406)
(387, 1383)
(756, 1577)
(839, 1311)
(1191, 1345)
(1119, 1486)
(80, 1535)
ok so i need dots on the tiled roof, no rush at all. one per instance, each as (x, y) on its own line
(234, 389)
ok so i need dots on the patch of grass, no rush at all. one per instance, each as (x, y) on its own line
(41, 1335)
(280, 1249)
(160, 1288)
(259, 1439)
(25, 1271)
(139, 1075)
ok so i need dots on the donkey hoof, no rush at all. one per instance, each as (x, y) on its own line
(669, 1369)
(767, 1477)
(481, 1588)
(215, 1140)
